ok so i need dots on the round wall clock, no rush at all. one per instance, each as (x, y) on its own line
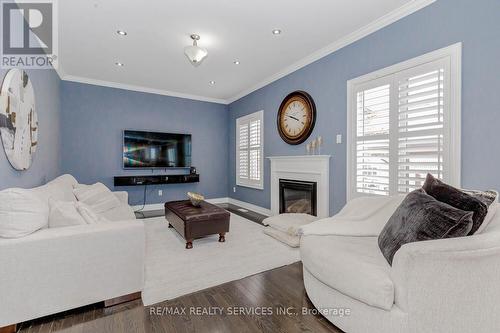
(18, 119)
(296, 117)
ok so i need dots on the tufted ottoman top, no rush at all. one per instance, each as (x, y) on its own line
(187, 212)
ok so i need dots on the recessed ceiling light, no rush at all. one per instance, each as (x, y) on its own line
(236, 62)
(276, 32)
(212, 82)
(121, 33)
(119, 64)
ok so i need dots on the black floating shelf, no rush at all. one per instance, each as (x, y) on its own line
(155, 180)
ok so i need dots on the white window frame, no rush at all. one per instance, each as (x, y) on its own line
(259, 115)
(452, 55)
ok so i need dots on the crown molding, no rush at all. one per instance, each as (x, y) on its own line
(110, 84)
(368, 29)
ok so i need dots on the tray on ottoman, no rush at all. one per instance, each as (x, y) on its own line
(195, 222)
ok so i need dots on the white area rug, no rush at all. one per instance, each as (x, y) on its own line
(173, 271)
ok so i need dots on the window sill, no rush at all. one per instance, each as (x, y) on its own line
(255, 187)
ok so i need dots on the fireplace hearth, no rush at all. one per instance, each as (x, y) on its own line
(297, 196)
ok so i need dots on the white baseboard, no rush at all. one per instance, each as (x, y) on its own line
(246, 205)
(159, 206)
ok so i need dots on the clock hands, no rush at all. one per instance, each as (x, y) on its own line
(292, 117)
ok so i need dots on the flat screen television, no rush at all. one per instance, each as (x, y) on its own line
(156, 150)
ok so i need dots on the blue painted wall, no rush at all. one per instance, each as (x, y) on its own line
(94, 117)
(46, 161)
(474, 23)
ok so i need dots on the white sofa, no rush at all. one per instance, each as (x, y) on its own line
(449, 285)
(57, 269)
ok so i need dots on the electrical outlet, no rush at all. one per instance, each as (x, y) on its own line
(339, 138)
(234, 189)
(160, 193)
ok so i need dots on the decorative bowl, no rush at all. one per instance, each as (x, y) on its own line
(195, 198)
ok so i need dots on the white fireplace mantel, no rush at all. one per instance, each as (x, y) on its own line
(312, 168)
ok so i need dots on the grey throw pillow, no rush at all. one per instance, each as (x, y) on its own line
(458, 199)
(421, 217)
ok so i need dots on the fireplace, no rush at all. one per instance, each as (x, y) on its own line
(297, 196)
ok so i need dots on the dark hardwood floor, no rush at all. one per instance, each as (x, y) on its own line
(257, 298)
(248, 214)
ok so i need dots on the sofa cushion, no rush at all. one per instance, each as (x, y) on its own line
(21, 213)
(60, 189)
(103, 202)
(353, 266)
(123, 212)
(421, 217)
(458, 199)
(97, 196)
(64, 214)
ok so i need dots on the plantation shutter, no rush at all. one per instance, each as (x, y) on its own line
(372, 140)
(250, 150)
(421, 124)
(404, 124)
(243, 151)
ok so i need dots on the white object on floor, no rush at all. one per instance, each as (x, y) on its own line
(172, 271)
(292, 241)
(289, 222)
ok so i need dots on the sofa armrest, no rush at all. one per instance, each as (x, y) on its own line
(58, 269)
(122, 196)
(449, 284)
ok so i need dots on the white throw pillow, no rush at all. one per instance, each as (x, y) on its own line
(289, 222)
(64, 214)
(492, 209)
(103, 202)
(88, 214)
(97, 196)
(21, 213)
(60, 189)
(121, 213)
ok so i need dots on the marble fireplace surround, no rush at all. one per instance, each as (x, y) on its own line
(312, 168)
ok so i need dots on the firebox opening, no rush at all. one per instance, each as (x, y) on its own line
(297, 196)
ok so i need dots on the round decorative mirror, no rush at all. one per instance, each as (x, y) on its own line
(18, 119)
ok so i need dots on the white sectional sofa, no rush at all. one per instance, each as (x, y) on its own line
(57, 269)
(447, 285)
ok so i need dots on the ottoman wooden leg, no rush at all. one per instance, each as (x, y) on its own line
(189, 244)
(170, 226)
(222, 237)
(8, 329)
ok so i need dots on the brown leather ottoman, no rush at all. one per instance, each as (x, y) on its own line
(195, 222)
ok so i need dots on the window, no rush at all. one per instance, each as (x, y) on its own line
(404, 122)
(250, 150)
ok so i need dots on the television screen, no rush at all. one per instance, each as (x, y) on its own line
(156, 150)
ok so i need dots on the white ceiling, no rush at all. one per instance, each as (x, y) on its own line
(158, 31)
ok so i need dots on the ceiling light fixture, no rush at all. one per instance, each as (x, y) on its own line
(119, 64)
(121, 33)
(236, 62)
(276, 32)
(194, 53)
(212, 82)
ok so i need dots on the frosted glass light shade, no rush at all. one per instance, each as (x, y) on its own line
(195, 54)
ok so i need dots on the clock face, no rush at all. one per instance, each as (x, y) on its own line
(296, 117)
